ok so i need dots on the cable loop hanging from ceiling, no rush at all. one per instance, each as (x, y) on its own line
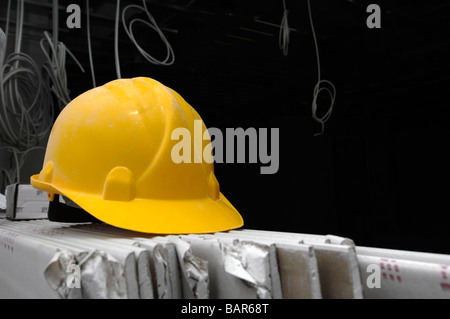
(170, 55)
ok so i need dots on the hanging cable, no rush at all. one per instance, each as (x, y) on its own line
(283, 39)
(24, 100)
(26, 109)
(8, 10)
(116, 41)
(170, 56)
(2, 50)
(55, 66)
(91, 63)
(320, 85)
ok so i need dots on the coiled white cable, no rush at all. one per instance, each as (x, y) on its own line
(321, 85)
(26, 109)
(24, 99)
(283, 38)
(170, 55)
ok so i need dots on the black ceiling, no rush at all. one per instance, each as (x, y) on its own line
(227, 52)
(229, 65)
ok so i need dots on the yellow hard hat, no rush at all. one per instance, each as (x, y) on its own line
(109, 151)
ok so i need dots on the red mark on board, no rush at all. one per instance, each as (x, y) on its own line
(389, 266)
(391, 276)
(396, 268)
(399, 279)
(445, 286)
(384, 275)
(444, 274)
(382, 265)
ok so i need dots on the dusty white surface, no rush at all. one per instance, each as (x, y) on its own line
(297, 264)
(405, 279)
(194, 270)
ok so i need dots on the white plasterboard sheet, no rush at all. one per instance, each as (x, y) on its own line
(159, 268)
(194, 270)
(131, 263)
(339, 272)
(119, 247)
(223, 285)
(164, 263)
(101, 275)
(404, 279)
(307, 238)
(338, 265)
(297, 263)
(52, 236)
(22, 264)
(299, 271)
(173, 266)
(151, 258)
(62, 235)
(52, 271)
(263, 271)
(403, 254)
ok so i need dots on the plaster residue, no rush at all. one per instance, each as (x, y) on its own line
(249, 261)
(101, 276)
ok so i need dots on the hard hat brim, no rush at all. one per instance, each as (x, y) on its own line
(156, 216)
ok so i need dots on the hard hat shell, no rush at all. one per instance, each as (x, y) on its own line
(109, 151)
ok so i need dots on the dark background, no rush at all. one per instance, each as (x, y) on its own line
(379, 174)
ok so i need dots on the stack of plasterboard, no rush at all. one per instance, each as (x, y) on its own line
(332, 266)
(116, 263)
(43, 259)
